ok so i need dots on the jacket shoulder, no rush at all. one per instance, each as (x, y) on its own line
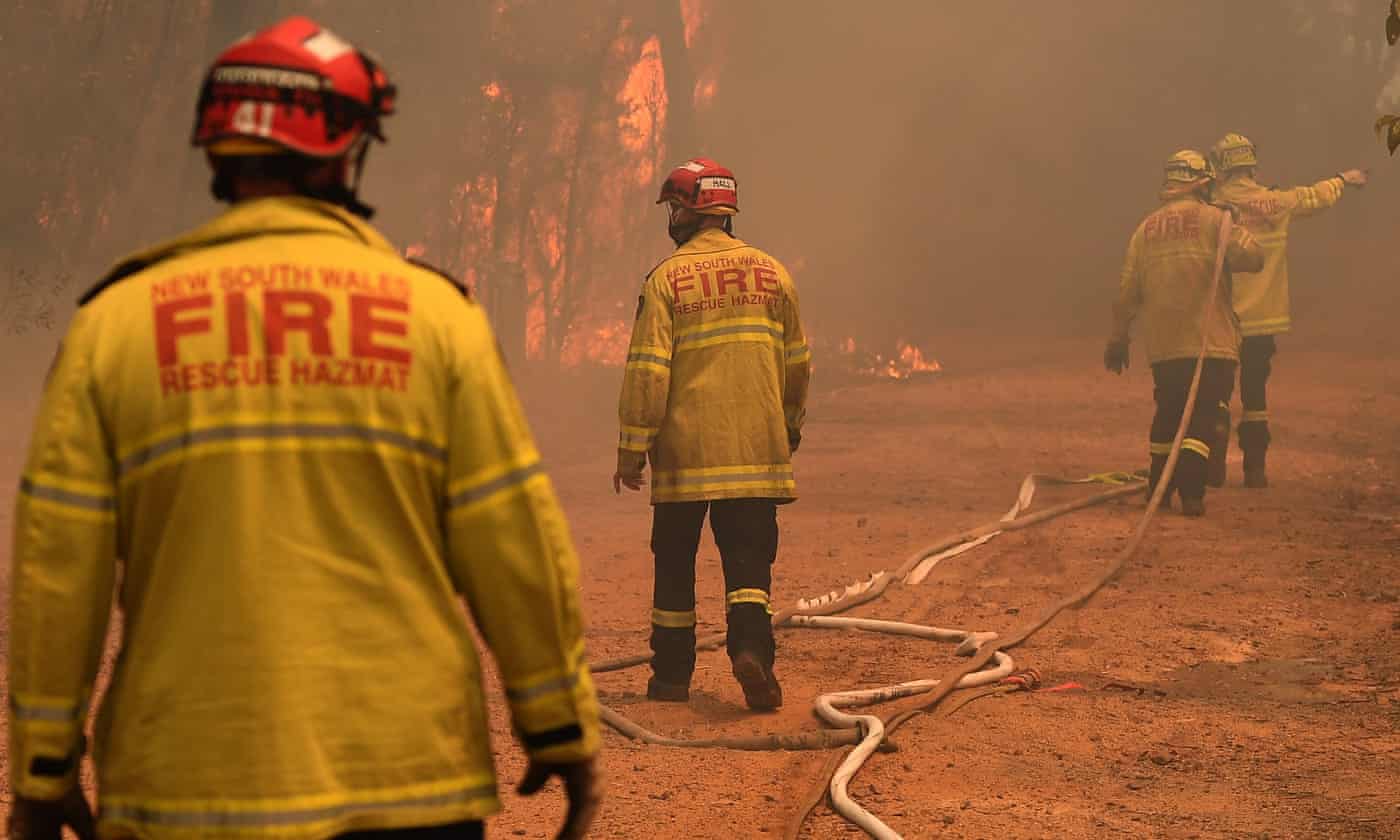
(432, 269)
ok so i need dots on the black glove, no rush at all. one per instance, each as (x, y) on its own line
(794, 440)
(583, 787)
(33, 819)
(1115, 356)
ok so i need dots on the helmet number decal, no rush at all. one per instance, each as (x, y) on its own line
(254, 118)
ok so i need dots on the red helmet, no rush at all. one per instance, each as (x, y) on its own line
(702, 185)
(293, 86)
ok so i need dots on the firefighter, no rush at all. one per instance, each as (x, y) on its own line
(1165, 284)
(304, 449)
(1261, 300)
(714, 395)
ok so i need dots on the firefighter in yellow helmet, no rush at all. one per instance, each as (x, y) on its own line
(1165, 287)
(305, 452)
(714, 394)
(1261, 300)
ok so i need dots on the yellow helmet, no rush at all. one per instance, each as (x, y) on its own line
(1186, 167)
(1233, 151)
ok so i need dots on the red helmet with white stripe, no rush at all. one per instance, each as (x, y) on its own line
(702, 185)
(293, 87)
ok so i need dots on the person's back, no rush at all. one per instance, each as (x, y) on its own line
(1262, 299)
(1173, 254)
(303, 448)
(725, 432)
(1166, 283)
(714, 396)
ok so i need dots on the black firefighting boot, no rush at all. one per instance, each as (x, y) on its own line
(1190, 482)
(761, 690)
(672, 662)
(1219, 447)
(751, 654)
(1254, 443)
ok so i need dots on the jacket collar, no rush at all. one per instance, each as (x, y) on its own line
(279, 215)
(709, 239)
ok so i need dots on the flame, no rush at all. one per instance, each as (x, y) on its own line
(643, 100)
(694, 13)
(705, 90)
(907, 361)
(604, 345)
(492, 90)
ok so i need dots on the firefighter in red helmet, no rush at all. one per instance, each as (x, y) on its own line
(305, 451)
(714, 396)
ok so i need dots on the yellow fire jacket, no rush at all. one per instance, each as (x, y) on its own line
(303, 449)
(717, 374)
(1262, 299)
(1167, 275)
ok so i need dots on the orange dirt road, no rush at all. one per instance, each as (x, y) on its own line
(1240, 679)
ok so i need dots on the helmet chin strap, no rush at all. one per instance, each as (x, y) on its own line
(683, 233)
(338, 192)
(344, 194)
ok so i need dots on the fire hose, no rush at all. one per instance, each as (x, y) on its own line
(982, 648)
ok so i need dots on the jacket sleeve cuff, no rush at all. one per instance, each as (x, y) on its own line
(636, 438)
(558, 720)
(44, 758)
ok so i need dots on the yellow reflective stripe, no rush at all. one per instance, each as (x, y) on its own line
(729, 330)
(746, 596)
(1255, 417)
(673, 618)
(559, 685)
(1265, 323)
(711, 326)
(798, 352)
(260, 437)
(463, 493)
(749, 596)
(654, 367)
(38, 707)
(736, 469)
(714, 475)
(304, 812)
(48, 492)
(1159, 449)
(84, 487)
(733, 335)
(1197, 446)
(650, 357)
(636, 438)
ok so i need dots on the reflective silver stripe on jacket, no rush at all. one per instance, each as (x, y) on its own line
(496, 485)
(280, 431)
(67, 497)
(237, 819)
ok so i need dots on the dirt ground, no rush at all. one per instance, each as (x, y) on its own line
(1240, 679)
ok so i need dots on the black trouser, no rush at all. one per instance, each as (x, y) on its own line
(1256, 363)
(746, 532)
(1172, 381)
(469, 830)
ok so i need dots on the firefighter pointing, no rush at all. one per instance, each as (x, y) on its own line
(304, 450)
(714, 395)
(1165, 285)
(1262, 299)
